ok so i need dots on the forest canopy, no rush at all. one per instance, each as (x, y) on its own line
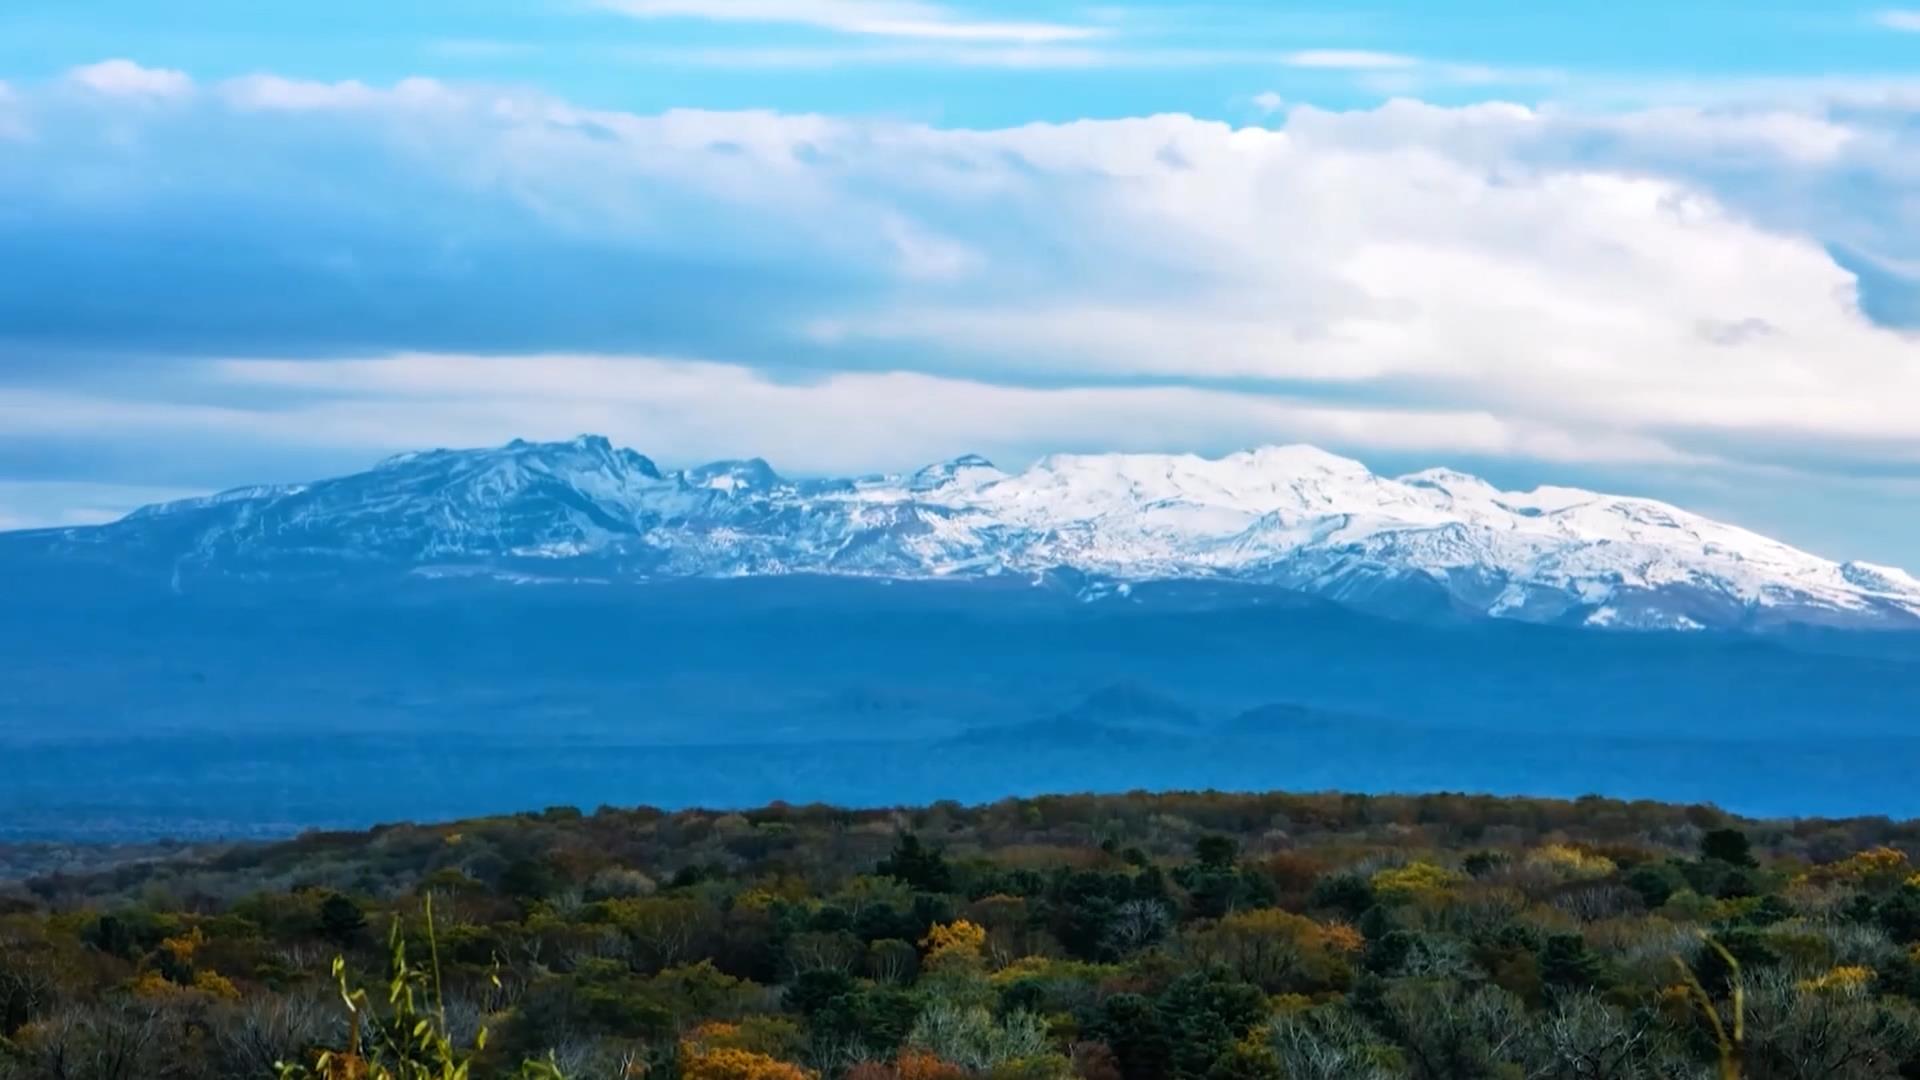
(1196, 936)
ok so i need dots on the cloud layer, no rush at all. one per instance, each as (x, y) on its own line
(1718, 289)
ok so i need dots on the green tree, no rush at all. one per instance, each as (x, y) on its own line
(917, 865)
(1247, 1061)
(1899, 914)
(1130, 1025)
(1567, 964)
(1655, 882)
(1205, 1013)
(340, 920)
(1729, 846)
(1216, 852)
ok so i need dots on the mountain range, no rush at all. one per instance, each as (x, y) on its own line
(460, 632)
(1295, 517)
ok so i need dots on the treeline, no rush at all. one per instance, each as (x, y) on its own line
(1139, 937)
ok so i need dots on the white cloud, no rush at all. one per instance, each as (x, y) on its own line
(1517, 280)
(1672, 140)
(1896, 19)
(847, 422)
(1804, 139)
(877, 18)
(126, 79)
(272, 93)
(480, 48)
(1341, 250)
(1268, 101)
(925, 255)
(1349, 60)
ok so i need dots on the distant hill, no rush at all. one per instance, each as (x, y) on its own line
(268, 709)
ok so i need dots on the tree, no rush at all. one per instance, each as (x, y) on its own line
(1326, 1044)
(890, 960)
(127, 933)
(340, 920)
(528, 879)
(1215, 883)
(917, 865)
(26, 993)
(1567, 964)
(1655, 882)
(958, 945)
(103, 1041)
(1204, 1013)
(269, 1030)
(1413, 882)
(1587, 1039)
(1130, 1026)
(874, 1018)
(814, 990)
(1247, 1060)
(1216, 852)
(1899, 913)
(1347, 894)
(1452, 1032)
(1842, 1035)
(1729, 846)
(1275, 950)
(662, 930)
(812, 950)
(729, 1063)
(1082, 908)
(1135, 925)
(969, 1035)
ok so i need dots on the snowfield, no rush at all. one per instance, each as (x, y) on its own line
(1291, 516)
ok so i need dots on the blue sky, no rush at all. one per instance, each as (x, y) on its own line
(1050, 62)
(977, 64)
(1663, 249)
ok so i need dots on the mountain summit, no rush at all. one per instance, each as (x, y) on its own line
(1290, 516)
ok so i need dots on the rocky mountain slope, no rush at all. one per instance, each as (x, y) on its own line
(1289, 516)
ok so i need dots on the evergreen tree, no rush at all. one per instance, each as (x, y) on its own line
(340, 920)
(1729, 846)
(917, 865)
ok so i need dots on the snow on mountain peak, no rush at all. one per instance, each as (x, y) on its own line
(1297, 458)
(753, 474)
(1888, 580)
(967, 470)
(1294, 516)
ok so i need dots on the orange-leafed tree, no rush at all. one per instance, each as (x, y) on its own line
(1276, 950)
(958, 944)
(732, 1063)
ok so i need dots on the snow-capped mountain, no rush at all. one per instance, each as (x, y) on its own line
(1290, 516)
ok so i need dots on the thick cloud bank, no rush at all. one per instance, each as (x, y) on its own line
(1714, 289)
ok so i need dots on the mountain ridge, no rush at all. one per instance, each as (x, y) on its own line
(1292, 516)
